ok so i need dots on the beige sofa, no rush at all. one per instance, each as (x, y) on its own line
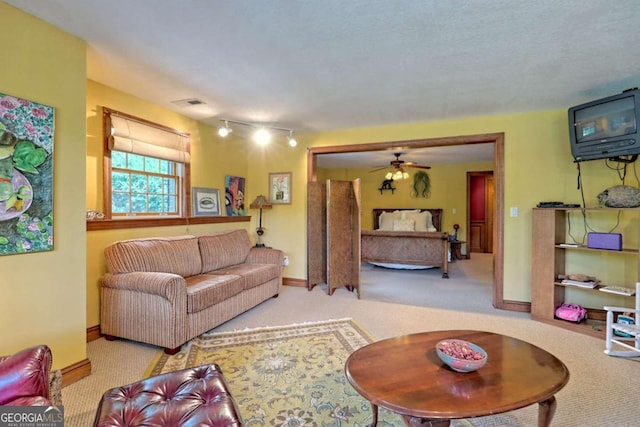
(165, 291)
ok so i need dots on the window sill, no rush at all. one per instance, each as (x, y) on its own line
(117, 224)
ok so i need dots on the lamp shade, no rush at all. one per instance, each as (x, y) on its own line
(260, 202)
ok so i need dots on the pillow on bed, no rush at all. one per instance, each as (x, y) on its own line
(385, 220)
(423, 221)
(404, 225)
(408, 214)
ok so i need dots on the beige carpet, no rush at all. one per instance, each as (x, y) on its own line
(602, 390)
(471, 278)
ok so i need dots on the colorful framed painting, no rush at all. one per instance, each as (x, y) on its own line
(234, 195)
(280, 188)
(206, 201)
(26, 176)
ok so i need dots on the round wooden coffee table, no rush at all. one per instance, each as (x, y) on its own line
(405, 375)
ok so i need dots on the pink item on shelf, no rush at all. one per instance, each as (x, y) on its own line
(571, 312)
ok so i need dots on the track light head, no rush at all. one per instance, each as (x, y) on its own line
(226, 130)
(292, 140)
(262, 136)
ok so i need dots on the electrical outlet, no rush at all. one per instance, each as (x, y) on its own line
(285, 261)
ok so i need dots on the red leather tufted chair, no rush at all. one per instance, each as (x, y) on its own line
(189, 397)
(24, 377)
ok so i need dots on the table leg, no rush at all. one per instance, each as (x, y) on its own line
(546, 409)
(374, 414)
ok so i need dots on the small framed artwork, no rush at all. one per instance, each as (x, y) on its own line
(234, 195)
(206, 201)
(280, 188)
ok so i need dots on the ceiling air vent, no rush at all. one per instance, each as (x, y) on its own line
(188, 102)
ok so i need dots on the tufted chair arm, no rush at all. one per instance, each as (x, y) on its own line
(24, 377)
(189, 397)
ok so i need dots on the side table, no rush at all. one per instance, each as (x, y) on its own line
(456, 249)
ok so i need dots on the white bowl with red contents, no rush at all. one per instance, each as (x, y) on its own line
(461, 355)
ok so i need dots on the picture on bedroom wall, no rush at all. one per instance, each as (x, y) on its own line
(234, 195)
(26, 176)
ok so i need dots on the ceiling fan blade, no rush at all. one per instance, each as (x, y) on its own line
(379, 169)
(418, 166)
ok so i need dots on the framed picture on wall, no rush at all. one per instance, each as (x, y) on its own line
(205, 201)
(280, 188)
(234, 195)
(26, 176)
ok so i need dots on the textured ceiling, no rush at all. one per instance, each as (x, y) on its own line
(338, 64)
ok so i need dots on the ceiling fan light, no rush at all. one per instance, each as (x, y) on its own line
(397, 175)
(405, 175)
(389, 175)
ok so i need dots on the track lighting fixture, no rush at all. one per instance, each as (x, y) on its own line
(262, 134)
(292, 140)
(226, 130)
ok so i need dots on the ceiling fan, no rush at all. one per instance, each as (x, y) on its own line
(396, 168)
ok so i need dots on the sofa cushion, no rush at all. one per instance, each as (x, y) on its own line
(178, 255)
(252, 275)
(206, 290)
(222, 249)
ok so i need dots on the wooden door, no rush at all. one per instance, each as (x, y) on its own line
(480, 211)
(343, 235)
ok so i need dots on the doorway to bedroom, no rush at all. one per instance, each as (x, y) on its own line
(497, 139)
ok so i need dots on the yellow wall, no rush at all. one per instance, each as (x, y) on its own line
(211, 159)
(538, 166)
(42, 295)
(448, 192)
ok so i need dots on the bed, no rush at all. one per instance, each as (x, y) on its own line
(406, 238)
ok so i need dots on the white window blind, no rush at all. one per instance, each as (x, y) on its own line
(136, 137)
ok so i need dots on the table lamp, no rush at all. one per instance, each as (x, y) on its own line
(260, 202)
(456, 227)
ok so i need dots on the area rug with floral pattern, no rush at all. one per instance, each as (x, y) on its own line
(291, 375)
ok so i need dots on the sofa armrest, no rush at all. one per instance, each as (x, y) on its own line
(166, 285)
(149, 307)
(265, 256)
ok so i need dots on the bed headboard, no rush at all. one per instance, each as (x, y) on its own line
(436, 216)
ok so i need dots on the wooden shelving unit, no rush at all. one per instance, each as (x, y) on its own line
(548, 261)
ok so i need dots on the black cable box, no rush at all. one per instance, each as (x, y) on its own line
(557, 205)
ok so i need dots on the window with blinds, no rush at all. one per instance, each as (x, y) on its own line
(145, 168)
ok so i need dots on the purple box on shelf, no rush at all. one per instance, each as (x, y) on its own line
(611, 241)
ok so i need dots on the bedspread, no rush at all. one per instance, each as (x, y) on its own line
(406, 247)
